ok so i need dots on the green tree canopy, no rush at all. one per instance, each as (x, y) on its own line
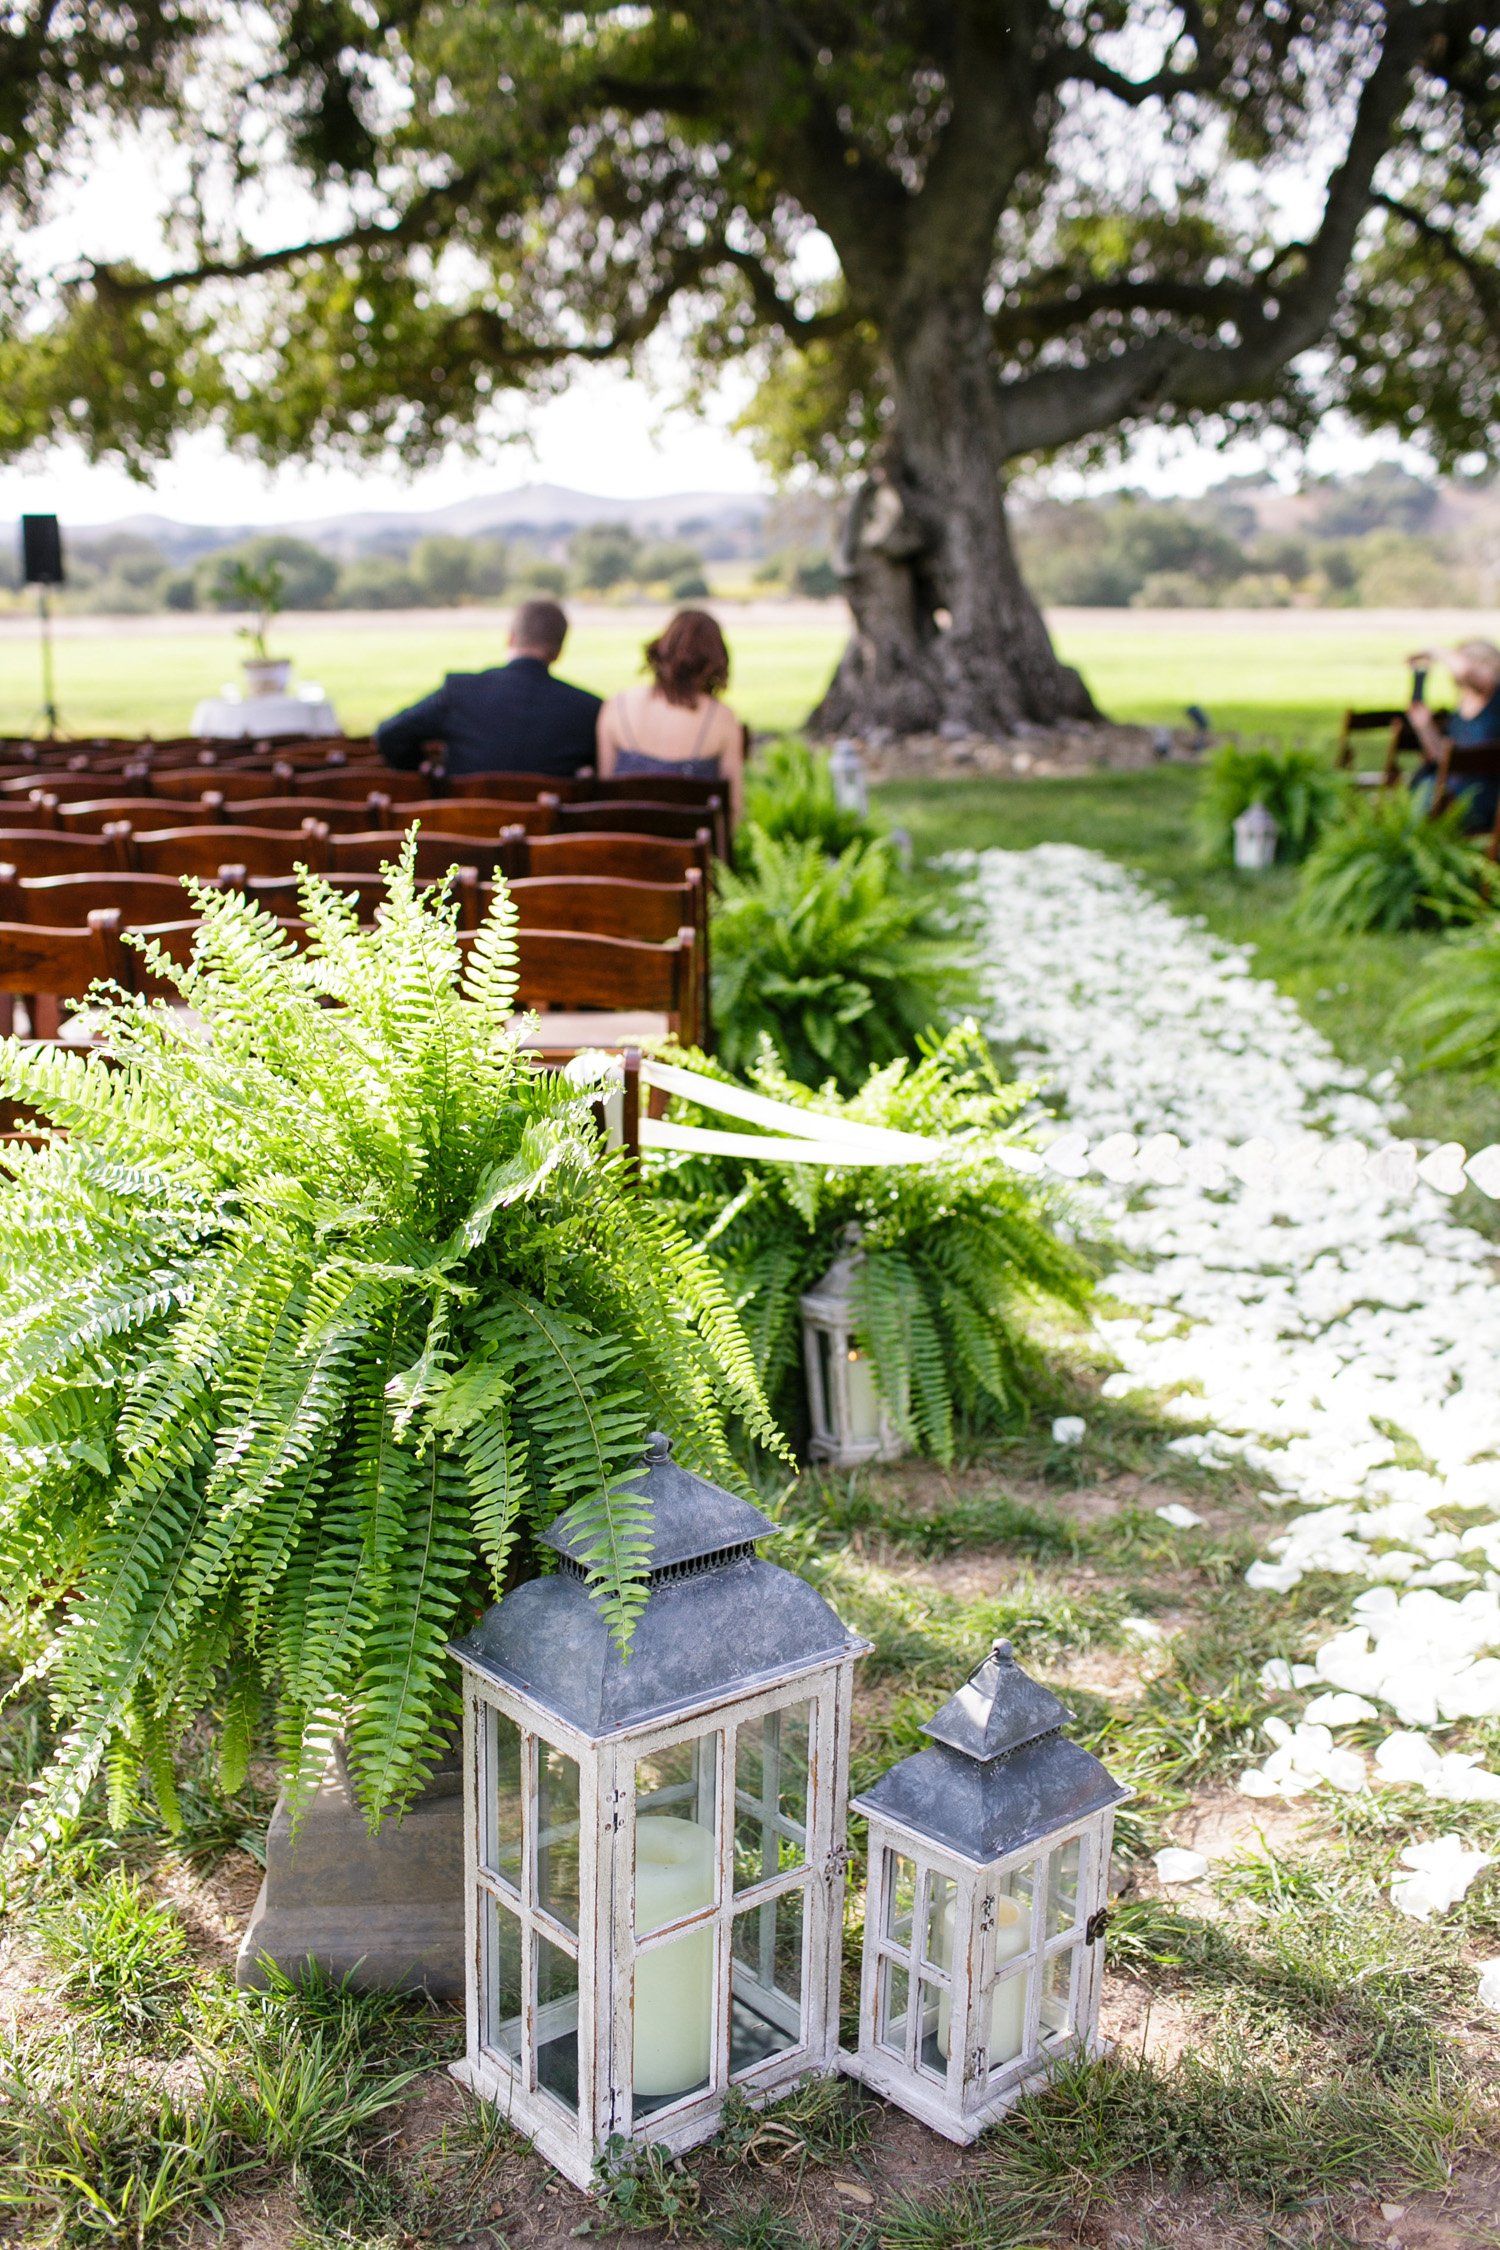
(1040, 226)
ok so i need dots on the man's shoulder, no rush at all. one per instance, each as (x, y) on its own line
(584, 699)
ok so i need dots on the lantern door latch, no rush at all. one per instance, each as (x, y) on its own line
(1096, 1925)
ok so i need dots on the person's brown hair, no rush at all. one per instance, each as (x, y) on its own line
(540, 625)
(689, 658)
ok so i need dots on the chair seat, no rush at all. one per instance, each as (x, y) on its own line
(564, 1031)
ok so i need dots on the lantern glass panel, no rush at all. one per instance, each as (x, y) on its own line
(938, 1935)
(675, 1858)
(824, 1345)
(770, 1795)
(557, 2022)
(1062, 1888)
(900, 1897)
(505, 1839)
(894, 1987)
(504, 1988)
(1057, 1993)
(674, 2010)
(1013, 1913)
(557, 1834)
(933, 2002)
(1008, 2006)
(765, 1982)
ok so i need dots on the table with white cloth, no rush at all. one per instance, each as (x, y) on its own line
(232, 717)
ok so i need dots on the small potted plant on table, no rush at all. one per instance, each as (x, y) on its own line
(259, 587)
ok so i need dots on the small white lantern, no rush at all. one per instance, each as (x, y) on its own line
(655, 1845)
(986, 1909)
(851, 1423)
(846, 770)
(1255, 838)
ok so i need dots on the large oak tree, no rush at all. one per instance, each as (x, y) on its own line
(1051, 222)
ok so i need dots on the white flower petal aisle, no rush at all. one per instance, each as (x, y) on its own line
(1303, 1315)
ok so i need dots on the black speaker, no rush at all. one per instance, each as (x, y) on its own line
(41, 551)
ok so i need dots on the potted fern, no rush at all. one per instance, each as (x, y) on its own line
(325, 1304)
(260, 588)
(955, 1256)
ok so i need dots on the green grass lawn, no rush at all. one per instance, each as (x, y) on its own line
(1352, 989)
(1275, 673)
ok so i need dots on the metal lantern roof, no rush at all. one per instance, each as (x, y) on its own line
(1000, 1773)
(717, 1620)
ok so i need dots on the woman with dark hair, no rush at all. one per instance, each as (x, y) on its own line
(676, 723)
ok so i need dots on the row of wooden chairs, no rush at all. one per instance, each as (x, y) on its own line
(1452, 766)
(566, 972)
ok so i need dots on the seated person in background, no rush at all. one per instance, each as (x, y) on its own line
(1475, 725)
(676, 724)
(514, 718)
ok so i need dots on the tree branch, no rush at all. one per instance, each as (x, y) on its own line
(1076, 66)
(1483, 279)
(776, 310)
(413, 224)
(1054, 316)
(1057, 406)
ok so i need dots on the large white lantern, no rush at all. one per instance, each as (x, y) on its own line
(986, 1909)
(850, 1421)
(655, 1843)
(1255, 838)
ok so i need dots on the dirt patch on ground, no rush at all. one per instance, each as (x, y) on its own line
(1030, 754)
(213, 1905)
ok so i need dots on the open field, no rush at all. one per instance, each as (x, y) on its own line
(1259, 671)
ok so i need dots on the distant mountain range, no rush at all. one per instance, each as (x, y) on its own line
(548, 511)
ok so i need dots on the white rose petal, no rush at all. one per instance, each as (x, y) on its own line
(1483, 1169)
(1488, 1994)
(1340, 1709)
(1179, 1517)
(1441, 1872)
(1175, 1864)
(1068, 1429)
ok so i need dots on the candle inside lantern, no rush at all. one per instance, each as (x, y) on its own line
(1008, 2007)
(674, 1875)
(864, 1399)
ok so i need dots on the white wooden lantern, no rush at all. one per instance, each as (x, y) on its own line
(655, 1843)
(846, 770)
(1255, 838)
(850, 1421)
(986, 1909)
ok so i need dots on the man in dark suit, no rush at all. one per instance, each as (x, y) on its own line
(514, 718)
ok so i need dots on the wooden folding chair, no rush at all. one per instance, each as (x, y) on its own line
(204, 851)
(479, 816)
(643, 816)
(637, 859)
(603, 906)
(64, 901)
(661, 788)
(607, 992)
(278, 893)
(1400, 740)
(1455, 766)
(519, 787)
(92, 815)
(341, 817)
(71, 788)
(437, 851)
(48, 852)
(50, 967)
(39, 810)
(182, 784)
(352, 784)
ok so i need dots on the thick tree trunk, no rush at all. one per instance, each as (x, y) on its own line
(946, 635)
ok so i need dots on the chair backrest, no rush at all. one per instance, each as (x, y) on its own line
(352, 784)
(340, 817)
(605, 906)
(1394, 725)
(437, 851)
(661, 788)
(64, 901)
(638, 859)
(641, 816)
(39, 810)
(92, 815)
(203, 851)
(182, 784)
(562, 969)
(518, 787)
(478, 816)
(278, 893)
(48, 852)
(69, 788)
(50, 966)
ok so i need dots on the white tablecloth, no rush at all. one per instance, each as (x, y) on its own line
(236, 718)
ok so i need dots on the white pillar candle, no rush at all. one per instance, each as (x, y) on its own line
(863, 1398)
(1008, 2007)
(674, 1986)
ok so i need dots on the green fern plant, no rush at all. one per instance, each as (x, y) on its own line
(1390, 865)
(789, 793)
(841, 963)
(1455, 1012)
(956, 1254)
(1298, 787)
(326, 1298)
